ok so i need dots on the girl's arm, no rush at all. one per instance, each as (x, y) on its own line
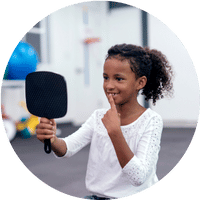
(46, 129)
(138, 166)
(59, 147)
(111, 121)
(123, 152)
(70, 145)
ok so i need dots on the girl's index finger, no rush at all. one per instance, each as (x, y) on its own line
(111, 101)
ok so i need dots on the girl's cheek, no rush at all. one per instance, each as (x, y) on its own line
(104, 87)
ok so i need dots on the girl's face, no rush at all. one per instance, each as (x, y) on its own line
(120, 81)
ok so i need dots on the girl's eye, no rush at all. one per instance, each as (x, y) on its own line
(119, 79)
(105, 78)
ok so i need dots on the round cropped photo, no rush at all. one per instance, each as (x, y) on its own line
(100, 100)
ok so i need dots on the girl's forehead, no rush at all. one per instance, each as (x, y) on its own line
(117, 64)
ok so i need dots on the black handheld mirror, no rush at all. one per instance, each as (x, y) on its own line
(46, 96)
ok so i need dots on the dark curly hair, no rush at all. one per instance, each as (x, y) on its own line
(150, 63)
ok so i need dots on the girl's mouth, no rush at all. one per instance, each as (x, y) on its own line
(113, 94)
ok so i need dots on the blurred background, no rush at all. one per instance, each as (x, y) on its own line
(73, 41)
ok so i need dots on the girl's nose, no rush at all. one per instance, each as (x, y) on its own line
(109, 85)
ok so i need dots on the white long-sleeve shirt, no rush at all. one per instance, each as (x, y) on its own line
(105, 177)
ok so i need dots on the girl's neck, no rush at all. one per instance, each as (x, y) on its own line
(129, 113)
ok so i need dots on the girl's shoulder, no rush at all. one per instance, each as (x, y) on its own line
(99, 113)
(154, 119)
(151, 114)
(148, 116)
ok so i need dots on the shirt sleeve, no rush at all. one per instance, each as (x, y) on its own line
(81, 138)
(145, 159)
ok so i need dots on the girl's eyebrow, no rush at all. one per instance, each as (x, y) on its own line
(118, 74)
(114, 74)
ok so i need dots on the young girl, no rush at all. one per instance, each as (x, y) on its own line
(125, 139)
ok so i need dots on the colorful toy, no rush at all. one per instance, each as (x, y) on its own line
(27, 126)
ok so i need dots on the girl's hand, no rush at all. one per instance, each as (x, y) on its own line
(111, 119)
(46, 129)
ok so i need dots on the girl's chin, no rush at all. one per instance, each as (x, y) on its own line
(115, 98)
(117, 102)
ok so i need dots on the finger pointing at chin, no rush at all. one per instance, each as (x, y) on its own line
(111, 101)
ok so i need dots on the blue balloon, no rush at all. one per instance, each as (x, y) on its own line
(23, 61)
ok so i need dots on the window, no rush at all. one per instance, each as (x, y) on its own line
(38, 37)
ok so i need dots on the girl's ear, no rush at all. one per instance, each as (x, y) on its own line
(141, 82)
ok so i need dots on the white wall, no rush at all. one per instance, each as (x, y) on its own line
(67, 32)
(183, 109)
(67, 52)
